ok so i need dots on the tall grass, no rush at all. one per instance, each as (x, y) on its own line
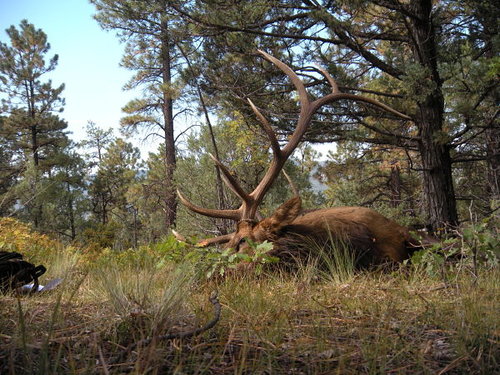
(159, 293)
(332, 261)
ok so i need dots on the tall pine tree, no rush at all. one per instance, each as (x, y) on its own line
(153, 36)
(35, 132)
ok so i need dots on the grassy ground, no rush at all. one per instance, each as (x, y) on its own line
(399, 322)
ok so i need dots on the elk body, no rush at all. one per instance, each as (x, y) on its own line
(371, 237)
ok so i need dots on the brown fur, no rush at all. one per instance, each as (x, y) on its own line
(373, 238)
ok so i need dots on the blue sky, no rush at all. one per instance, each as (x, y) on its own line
(89, 59)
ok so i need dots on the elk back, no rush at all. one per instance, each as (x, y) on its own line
(371, 238)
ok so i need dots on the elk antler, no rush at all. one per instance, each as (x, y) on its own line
(251, 201)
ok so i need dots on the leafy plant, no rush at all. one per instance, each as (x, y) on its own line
(476, 243)
(430, 260)
(482, 243)
(220, 262)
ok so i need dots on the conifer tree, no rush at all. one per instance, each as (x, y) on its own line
(35, 132)
(152, 36)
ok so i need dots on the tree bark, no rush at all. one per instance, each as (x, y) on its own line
(71, 212)
(493, 162)
(167, 109)
(38, 208)
(435, 153)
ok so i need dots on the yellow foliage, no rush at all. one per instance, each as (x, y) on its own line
(20, 237)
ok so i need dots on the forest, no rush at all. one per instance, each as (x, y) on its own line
(109, 222)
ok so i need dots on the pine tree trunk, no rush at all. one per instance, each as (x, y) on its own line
(38, 207)
(170, 157)
(435, 153)
(493, 162)
(492, 133)
(71, 212)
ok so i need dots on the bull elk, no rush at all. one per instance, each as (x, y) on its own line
(371, 237)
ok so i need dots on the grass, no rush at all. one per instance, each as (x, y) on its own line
(437, 316)
(404, 322)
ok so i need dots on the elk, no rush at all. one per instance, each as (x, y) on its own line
(373, 238)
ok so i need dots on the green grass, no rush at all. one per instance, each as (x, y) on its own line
(309, 322)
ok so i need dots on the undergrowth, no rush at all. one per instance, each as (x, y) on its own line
(436, 315)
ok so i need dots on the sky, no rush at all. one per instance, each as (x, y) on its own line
(89, 60)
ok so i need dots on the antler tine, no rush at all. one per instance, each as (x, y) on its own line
(338, 95)
(299, 85)
(206, 242)
(330, 79)
(292, 185)
(215, 240)
(221, 214)
(178, 236)
(230, 181)
(267, 128)
(306, 112)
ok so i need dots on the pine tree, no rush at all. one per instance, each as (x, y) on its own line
(32, 127)
(153, 36)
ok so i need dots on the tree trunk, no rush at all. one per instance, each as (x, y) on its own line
(492, 133)
(71, 212)
(435, 153)
(37, 209)
(167, 109)
(222, 225)
(37, 205)
(493, 163)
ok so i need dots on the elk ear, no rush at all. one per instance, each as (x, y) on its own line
(286, 213)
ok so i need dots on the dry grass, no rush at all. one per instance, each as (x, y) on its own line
(368, 323)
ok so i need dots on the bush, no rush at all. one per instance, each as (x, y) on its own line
(19, 237)
(475, 245)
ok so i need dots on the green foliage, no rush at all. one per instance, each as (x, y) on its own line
(96, 142)
(170, 251)
(417, 83)
(219, 263)
(114, 212)
(157, 255)
(35, 137)
(32, 124)
(99, 236)
(475, 246)
(482, 241)
(432, 260)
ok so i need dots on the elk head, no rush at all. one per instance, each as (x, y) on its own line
(364, 230)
